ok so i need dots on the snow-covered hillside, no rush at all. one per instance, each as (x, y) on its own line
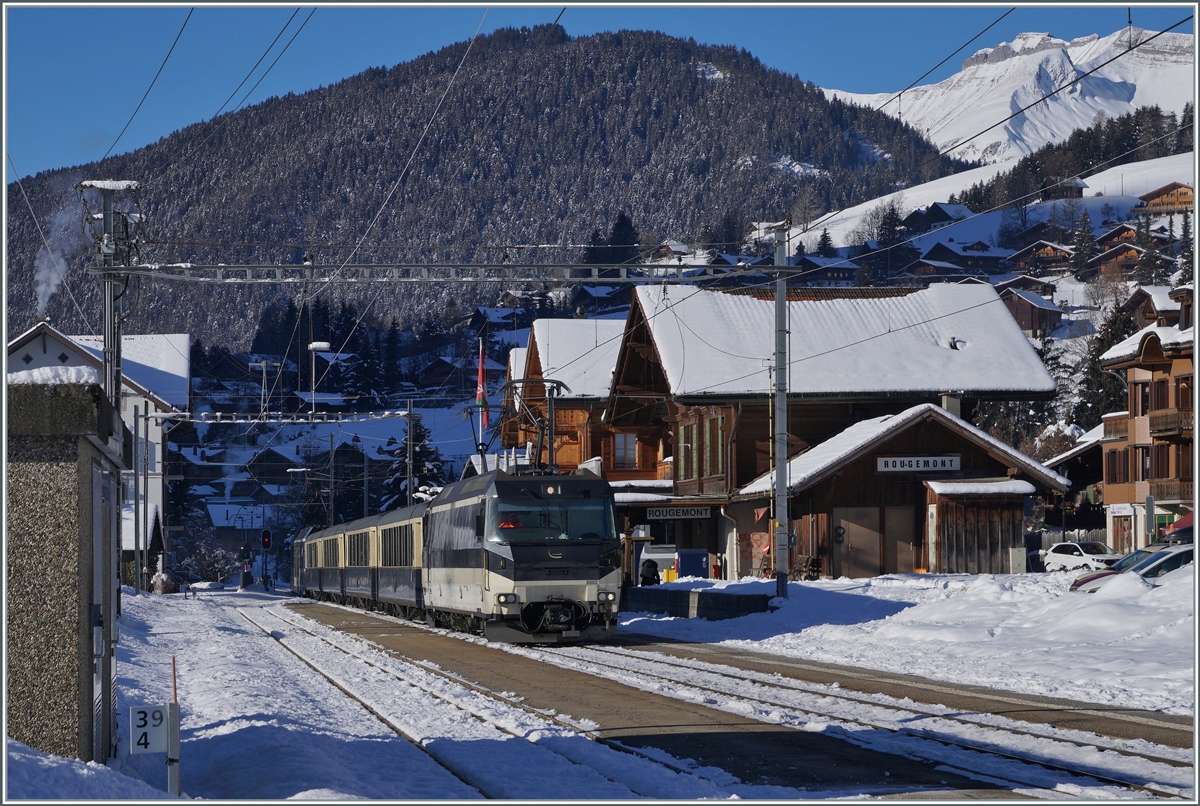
(1118, 187)
(995, 82)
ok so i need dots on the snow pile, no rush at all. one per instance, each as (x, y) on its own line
(55, 375)
(1128, 645)
(33, 775)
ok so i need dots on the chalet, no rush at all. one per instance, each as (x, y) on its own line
(1083, 464)
(936, 216)
(1041, 256)
(1117, 263)
(594, 299)
(579, 354)
(457, 376)
(1173, 198)
(1036, 315)
(725, 259)
(1121, 233)
(918, 490)
(854, 354)
(975, 255)
(923, 272)
(823, 271)
(1072, 188)
(269, 466)
(510, 431)
(1024, 282)
(1148, 449)
(493, 319)
(671, 250)
(1151, 304)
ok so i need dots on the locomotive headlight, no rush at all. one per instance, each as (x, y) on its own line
(606, 596)
(507, 598)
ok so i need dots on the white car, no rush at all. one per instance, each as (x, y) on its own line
(1078, 557)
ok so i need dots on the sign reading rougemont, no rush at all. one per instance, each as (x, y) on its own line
(905, 464)
(673, 513)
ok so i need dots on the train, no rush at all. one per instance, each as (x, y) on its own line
(515, 558)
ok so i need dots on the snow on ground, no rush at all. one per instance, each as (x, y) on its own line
(1127, 645)
(258, 723)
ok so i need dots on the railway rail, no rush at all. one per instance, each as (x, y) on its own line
(555, 739)
(1044, 746)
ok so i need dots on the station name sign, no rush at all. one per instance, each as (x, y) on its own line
(674, 513)
(908, 464)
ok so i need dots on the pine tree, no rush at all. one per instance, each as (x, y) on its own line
(825, 245)
(1084, 244)
(1187, 254)
(1100, 391)
(623, 241)
(429, 468)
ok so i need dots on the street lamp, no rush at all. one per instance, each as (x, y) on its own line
(314, 348)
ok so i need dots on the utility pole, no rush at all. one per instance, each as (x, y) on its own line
(137, 511)
(780, 413)
(408, 431)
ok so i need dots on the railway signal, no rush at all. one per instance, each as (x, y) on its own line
(266, 539)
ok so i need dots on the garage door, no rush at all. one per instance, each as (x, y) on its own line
(856, 542)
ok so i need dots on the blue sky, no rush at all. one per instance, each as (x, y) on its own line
(74, 75)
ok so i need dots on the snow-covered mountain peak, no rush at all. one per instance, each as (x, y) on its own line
(996, 81)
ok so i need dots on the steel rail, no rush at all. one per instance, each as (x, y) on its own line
(927, 735)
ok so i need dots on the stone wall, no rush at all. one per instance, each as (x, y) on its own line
(48, 581)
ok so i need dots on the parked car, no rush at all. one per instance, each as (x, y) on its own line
(1152, 568)
(1128, 561)
(1078, 557)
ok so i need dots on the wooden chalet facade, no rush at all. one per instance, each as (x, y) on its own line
(1071, 188)
(824, 271)
(580, 353)
(1041, 256)
(1151, 305)
(923, 271)
(705, 407)
(918, 490)
(1148, 449)
(973, 255)
(1117, 263)
(1173, 198)
(1036, 315)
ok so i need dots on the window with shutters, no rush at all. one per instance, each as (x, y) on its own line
(1183, 392)
(688, 460)
(1183, 461)
(1160, 461)
(714, 446)
(1116, 465)
(1139, 399)
(1160, 395)
(358, 550)
(1141, 464)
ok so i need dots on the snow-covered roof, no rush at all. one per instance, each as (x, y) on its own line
(516, 362)
(982, 487)
(55, 375)
(959, 248)
(954, 210)
(817, 462)
(1169, 337)
(1160, 295)
(579, 352)
(1036, 300)
(947, 337)
(823, 262)
(158, 362)
(332, 357)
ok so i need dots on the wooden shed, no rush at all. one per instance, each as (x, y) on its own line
(919, 490)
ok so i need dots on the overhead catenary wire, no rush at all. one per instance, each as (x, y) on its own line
(152, 83)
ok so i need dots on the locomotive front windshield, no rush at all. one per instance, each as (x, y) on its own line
(530, 519)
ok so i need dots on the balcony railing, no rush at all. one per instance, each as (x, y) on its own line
(1116, 428)
(1165, 490)
(1165, 422)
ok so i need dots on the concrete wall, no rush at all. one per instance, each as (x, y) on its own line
(58, 436)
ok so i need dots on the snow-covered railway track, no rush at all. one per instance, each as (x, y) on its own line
(567, 756)
(944, 736)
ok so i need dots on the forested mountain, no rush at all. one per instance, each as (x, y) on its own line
(543, 139)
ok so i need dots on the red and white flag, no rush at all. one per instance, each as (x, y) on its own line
(481, 390)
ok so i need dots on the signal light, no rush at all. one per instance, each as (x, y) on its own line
(266, 538)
